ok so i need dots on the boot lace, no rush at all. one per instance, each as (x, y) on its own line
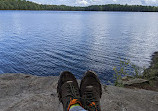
(72, 92)
(89, 101)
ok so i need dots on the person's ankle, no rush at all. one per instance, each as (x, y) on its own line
(73, 103)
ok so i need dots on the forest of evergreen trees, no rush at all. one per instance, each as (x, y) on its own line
(27, 5)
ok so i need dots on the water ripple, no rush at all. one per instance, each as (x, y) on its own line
(51, 41)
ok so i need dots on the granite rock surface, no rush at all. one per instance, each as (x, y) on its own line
(24, 92)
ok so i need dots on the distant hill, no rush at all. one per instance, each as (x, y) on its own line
(27, 5)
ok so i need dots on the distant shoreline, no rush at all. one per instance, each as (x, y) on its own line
(28, 5)
(77, 11)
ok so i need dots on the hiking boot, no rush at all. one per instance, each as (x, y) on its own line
(90, 91)
(68, 90)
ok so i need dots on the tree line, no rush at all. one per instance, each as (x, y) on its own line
(28, 5)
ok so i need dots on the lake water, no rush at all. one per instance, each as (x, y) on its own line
(47, 42)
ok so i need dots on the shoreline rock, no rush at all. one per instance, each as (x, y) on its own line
(147, 80)
(23, 92)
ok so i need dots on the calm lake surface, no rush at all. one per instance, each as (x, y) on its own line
(48, 42)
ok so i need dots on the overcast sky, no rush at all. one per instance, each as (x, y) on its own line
(97, 2)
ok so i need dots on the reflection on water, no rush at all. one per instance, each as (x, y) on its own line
(48, 42)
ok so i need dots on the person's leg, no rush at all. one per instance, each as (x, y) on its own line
(68, 92)
(91, 91)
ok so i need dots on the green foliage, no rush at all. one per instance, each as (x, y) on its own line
(118, 7)
(126, 68)
(151, 73)
(27, 5)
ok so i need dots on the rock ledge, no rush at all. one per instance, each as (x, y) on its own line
(23, 92)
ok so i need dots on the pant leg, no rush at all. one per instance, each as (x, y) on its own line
(77, 108)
